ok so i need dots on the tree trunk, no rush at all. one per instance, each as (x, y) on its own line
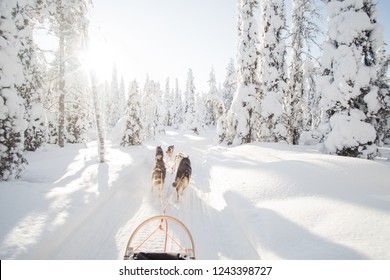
(98, 118)
(99, 127)
(61, 100)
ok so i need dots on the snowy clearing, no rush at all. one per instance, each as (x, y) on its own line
(255, 201)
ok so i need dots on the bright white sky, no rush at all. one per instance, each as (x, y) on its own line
(164, 38)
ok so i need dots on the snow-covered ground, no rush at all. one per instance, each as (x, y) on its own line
(255, 201)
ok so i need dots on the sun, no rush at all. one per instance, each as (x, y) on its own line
(99, 58)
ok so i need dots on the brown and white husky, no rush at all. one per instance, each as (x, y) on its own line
(159, 171)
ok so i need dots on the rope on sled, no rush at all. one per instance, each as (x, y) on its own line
(164, 206)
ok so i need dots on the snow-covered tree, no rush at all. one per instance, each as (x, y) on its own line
(147, 104)
(122, 97)
(349, 84)
(159, 109)
(200, 111)
(12, 123)
(311, 115)
(384, 92)
(95, 97)
(152, 117)
(229, 85)
(78, 105)
(242, 116)
(67, 19)
(31, 89)
(214, 103)
(115, 98)
(273, 72)
(304, 31)
(212, 95)
(133, 131)
(178, 107)
(189, 104)
(168, 104)
(375, 56)
(106, 104)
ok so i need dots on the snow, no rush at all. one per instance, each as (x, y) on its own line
(348, 25)
(349, 131)
(254, 201)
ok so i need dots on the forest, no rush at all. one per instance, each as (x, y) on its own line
(277, 88)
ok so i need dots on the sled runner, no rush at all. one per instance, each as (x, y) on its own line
(160, 238)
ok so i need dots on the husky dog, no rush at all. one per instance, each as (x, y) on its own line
(159, 170)
(170, 151)
(159, 153)
(170, 163)
(183, 174)
(177, 161)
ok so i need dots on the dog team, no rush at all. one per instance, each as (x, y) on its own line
(181, 165)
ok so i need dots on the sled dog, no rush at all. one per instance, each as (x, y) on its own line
(183, 174)
(177, 161)
(159, 153)
(170, 163)
(159, 170)
(169, 151)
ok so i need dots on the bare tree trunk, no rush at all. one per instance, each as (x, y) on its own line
(61, 101)
(99, 124)
(98, 118)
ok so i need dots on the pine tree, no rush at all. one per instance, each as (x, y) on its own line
(122, 97)
(133, 132)
(384, 93)
(78, 107)
(273, 74)
(150, 121)
(229, 85)
(214, 103)
(178, 107)
(349, 83)
(30, 89)
(168, 104)
(201, 114)
(211, 98)
(242, 117)
(303, 34)
(95, 97)
(374, 53)
(67, 20)
(159, 108)
(189, 104)
(107, 105)
(12, 123)
(115, 98)
(311, 113)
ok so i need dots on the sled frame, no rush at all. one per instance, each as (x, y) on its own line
(131, 251)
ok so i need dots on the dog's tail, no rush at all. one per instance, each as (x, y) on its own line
(158, 177)
(186, 175)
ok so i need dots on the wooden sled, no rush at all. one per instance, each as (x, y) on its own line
(160, 238)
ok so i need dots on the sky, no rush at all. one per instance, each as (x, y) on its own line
(164, 38)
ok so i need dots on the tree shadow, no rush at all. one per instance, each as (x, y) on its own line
(273, 234)
(340, 178)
